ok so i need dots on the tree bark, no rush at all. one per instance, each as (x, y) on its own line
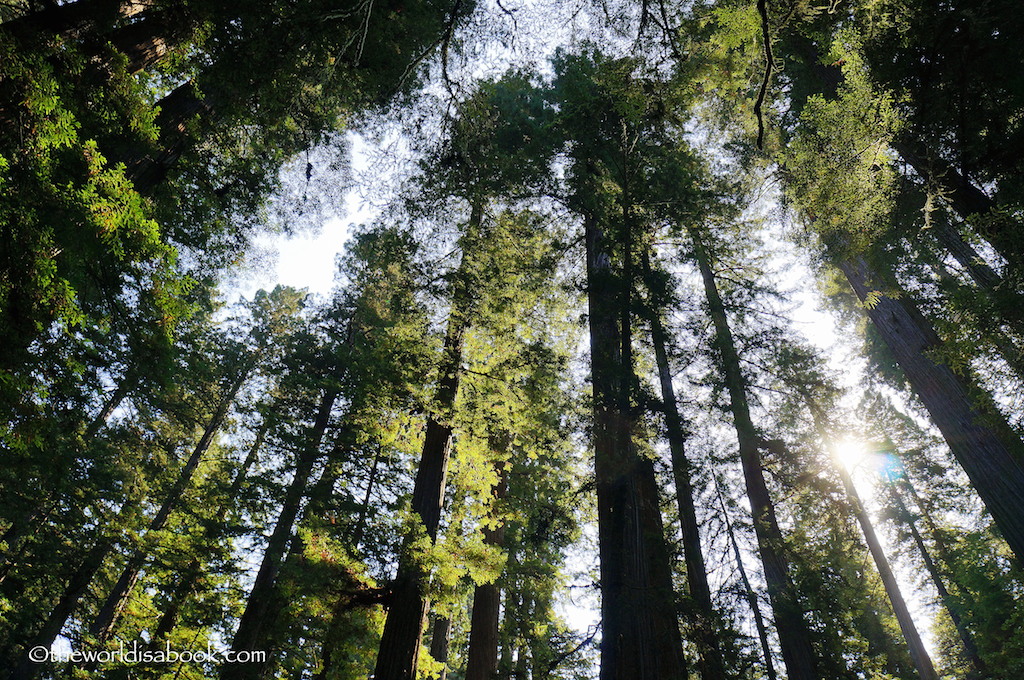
(177, 110)
(398, 655)
(712, 667)
(106, 620)
(254, 618)
(72, 19)
(989, 332)
(640, 637)
(482, 659)
(984, 445)
(948, 601)
(147, 42)
(794, 635)
(964, 253)
(190, 575)
(1001, 231)
(440, 639)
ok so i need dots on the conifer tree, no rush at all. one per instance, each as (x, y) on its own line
(640, 635)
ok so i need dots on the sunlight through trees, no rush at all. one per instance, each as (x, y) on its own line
(564, 412)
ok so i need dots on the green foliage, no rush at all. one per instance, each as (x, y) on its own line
(115, 354)
(838, 166)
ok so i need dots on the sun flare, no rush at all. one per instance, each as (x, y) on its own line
(850, 452)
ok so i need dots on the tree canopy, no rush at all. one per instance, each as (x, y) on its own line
(683, 341)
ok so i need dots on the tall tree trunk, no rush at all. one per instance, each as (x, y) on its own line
(509, 623)
(343, 604)
(712, 666)
(318, 502)
(178, 109)
(948, 601)
(1000, 230)
(187, 582)
(364, 509)
(103, 625)
(749, 592)
(398, 655)
(482, 659)
(918, 652)
(397, 658)
(120, 393)
(963, 252)
(794, 635)
(80, 581)
(77, 585)
(254, 618)
(990, 457)
(989, 332)
(966, 199)
(640, 637)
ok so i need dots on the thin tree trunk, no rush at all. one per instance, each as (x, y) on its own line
(54, 624)
(319, 499)
(79, 582)
(640, 637)
(439, 643)
(510, 622)
(187, 582)
(950, 603)
(794, 635)
(482, 658)
(918, 653)
(712, 667)
(752, 601)
(964, 253)
(991, 332)
(119, 394)
(76, 587)
(933, 530)
(106, 620)
(250, 626)
(991, 459)
(360, 527)
(343, 604)
(398, 655)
